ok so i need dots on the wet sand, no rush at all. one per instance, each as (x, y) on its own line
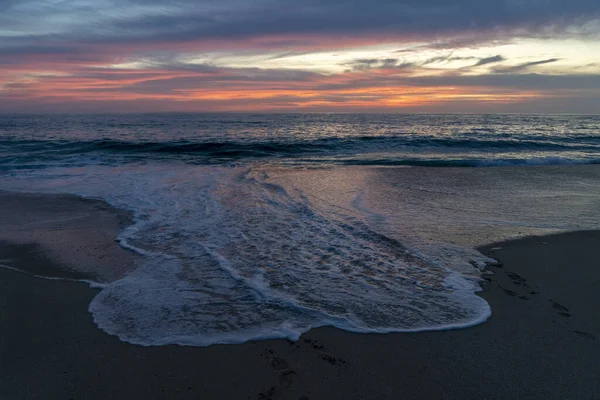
(78, 234)
(542, 341)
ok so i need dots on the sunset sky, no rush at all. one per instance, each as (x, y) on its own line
(284, 55)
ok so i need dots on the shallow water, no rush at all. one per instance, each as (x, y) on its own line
(234, 251)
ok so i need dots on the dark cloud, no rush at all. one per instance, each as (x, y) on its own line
(38, 50)
(387, 63)
(406, 16)
(489, 60)
(524, 66)
(516, 82)
(186, 20)
(384, 63)
(15, 55)
(444, 59)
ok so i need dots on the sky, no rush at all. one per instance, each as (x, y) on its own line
(300, 56)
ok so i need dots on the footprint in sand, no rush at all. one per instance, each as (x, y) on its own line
(319, 347)
(519, 282)
(279, 364)
(316, 345)
(507, 291)
(585, 335)
(512, 293)
(287, 375)
(560, 309)
(268, 395)
(517, 279)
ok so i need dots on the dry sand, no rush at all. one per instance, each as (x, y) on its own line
(542, 341)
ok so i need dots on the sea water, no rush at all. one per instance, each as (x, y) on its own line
(265, 226)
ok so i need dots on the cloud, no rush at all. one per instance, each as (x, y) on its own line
(132, 21)
(524, 66)
(59, 51)
(445, 59)
(109, 32)
(365, 64)
(489, 60)
(238, 89)
(388, 63)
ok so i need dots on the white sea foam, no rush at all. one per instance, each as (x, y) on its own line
(91, 283)
(548, 160)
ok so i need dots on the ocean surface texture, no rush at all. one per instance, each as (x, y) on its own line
(264, 226)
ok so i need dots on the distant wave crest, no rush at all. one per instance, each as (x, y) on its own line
(377, 150)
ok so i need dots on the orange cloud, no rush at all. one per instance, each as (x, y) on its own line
(46, 81)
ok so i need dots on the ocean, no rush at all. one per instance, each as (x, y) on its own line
(254, 226)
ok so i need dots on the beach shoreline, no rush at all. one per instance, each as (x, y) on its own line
(542, 340)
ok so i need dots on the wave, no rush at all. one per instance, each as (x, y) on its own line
(295, 146)
(498, 162)
(399, 149)
(240, 258)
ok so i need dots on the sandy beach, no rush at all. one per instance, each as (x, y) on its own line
(542, 341)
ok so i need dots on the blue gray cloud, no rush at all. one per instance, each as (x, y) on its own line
(109, 21)
(524, 66)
